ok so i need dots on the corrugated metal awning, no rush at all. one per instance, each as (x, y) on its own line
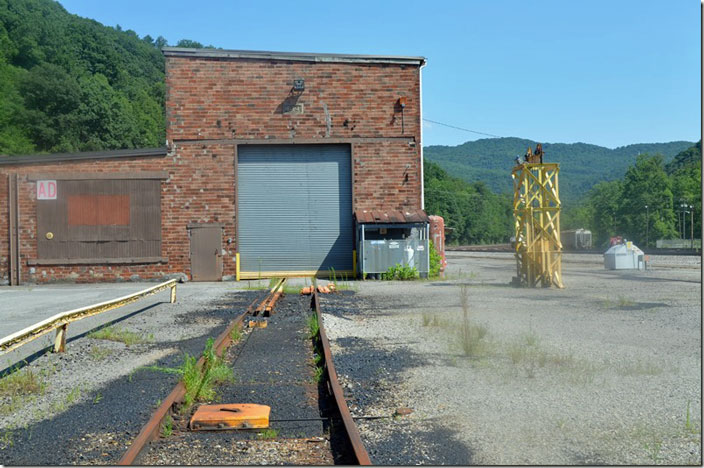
(391, 216)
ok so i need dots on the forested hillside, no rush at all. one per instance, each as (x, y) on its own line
(618, 207)
(475, 214)
(71, 84)
(581, 165)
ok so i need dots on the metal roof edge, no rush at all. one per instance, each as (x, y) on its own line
(56, 157)
(291, 56)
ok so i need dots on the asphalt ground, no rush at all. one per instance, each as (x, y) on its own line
(23, 306)
(605, 371)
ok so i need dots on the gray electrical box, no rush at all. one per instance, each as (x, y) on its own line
(389, 238)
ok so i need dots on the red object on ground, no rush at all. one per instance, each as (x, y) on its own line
(437, 235)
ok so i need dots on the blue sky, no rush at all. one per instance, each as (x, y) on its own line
(609, 73)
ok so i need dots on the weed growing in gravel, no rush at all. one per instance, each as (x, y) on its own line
(22, 382)
(640, 368)
(290, 289)
(73, 395)
(430, 320)
(689, 425)
(318, 374)
(97, 398)
(162, 369)
(19, 388)
(528, 353)
(653, 449)
(200, 382)
(168, 427)
(619, 303)
(7, 438)
(114, 333)
(58, 406)
(235, 334)
(343, 284)
(313, 326)
(98, 353)
(268, 434)
(471, 336)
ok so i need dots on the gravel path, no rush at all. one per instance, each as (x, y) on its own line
(605, 371)
(97, 395)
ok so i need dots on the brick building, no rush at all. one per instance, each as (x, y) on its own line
(267, 157)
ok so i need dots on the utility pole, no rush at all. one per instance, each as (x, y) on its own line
(646, 225)
(691, 227)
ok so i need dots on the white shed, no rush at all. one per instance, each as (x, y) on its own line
(624, 257)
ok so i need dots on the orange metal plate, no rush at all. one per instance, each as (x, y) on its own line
(231, 416)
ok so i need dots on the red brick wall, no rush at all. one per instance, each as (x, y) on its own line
(246, 97)
(230, 100)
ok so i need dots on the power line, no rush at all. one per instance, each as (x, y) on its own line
(463, 129)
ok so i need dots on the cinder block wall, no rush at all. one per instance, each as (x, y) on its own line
(212, 106)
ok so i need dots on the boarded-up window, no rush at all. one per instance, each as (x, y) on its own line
(98, 210)
(106, 218)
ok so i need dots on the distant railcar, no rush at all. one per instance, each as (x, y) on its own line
(577, 239)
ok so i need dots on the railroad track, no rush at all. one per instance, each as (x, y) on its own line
(341, 440)
(507, 248)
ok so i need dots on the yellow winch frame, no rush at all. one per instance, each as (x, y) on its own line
(536, 211)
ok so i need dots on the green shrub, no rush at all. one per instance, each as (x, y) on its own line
(435, 261)
(400, 272)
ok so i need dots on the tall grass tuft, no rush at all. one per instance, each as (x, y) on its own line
(471, 336)
(200, 382)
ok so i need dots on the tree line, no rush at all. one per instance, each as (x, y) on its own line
(71, 84)
(646, 204)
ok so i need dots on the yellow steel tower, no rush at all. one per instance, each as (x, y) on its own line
(536, 211)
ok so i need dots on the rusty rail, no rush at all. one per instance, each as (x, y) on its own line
(355, 439)
(60, 322)
(150, 430)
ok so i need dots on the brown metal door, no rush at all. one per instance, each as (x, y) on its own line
(206, 258)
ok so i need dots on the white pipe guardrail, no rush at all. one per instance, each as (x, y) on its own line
(59, 322)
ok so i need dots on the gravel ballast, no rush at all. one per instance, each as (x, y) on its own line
(605, 371)
(272, 366)
(98, 394)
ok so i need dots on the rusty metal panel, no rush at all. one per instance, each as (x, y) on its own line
(206, 256)
(102, 218)
(391, 216)
(98, 210)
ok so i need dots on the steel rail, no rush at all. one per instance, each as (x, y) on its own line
(150, 430)
(355, 439)
(61, 321)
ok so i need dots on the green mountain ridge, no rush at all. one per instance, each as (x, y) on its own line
(582, 165)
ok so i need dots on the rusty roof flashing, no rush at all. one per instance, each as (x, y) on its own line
(391, 216)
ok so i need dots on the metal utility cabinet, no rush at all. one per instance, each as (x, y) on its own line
(387, 238)
(624, 257)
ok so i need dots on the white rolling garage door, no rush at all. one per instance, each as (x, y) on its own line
(294, 211)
